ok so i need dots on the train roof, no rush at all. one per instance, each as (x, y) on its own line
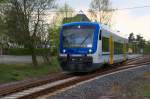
(84, 23)
(107, 32)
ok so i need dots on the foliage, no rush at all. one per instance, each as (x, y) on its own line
(2, 28)
(131, 38)
(147, 48)
(136, 43)
(54, 40)
(1, 1)
(140, 40)
(103, 9)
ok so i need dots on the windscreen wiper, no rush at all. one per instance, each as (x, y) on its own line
(85, 39)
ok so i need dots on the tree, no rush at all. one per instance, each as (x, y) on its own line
(3, 37)
(141, 41)
(137, 43)
(131, 38)
(24, 19)
(132, 42)
(63, 13)
(93, 15)
(103, 8)
(2, 23)
(54, 39)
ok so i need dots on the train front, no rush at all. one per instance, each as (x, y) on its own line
(78, 41)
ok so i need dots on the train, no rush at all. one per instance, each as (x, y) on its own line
(87, 46)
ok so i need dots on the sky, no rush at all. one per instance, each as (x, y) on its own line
(125, 21)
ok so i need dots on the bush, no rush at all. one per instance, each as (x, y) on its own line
(25, 51)
(147, 49)
(42, 51)
(19, 51)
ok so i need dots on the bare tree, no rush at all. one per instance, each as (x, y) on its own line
(63, 13)
(24, 20)
(101, 10)
(92, 15)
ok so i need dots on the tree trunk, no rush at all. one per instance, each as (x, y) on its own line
(1, 51)
(46, 57)
(34, 58)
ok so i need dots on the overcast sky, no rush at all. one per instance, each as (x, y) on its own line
(126, 21)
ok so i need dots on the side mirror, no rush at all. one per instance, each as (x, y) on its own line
(100, 34)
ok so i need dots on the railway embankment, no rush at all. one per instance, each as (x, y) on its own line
(102, 85)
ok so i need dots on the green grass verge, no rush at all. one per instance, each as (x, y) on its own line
(147, 49)
(146, 88)
(147, 93)
(17, 72)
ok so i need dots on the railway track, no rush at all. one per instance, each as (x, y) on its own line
(49, 85)
(137, 60)
(23, 85)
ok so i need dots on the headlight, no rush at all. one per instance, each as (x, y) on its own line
(64, 51)
(90, 50)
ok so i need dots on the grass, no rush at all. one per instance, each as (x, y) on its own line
(141, 86)
(147, 49)
(146, 88)
(17, 72)
(147, 93)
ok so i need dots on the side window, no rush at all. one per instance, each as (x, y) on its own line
(105, 44)
(118, 48)
(100, 34)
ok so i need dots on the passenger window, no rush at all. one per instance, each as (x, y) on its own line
(105, 44)
(118, 48)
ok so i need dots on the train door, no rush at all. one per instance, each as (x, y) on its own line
(111, 49)
(124, 51)
(100, 42)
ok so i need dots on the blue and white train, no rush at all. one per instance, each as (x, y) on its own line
(86, 46)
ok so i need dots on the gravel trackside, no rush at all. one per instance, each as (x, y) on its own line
(99, 87)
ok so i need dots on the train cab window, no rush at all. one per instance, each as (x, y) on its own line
(105, 44)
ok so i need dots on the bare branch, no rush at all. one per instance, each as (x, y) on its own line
(102, 10)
